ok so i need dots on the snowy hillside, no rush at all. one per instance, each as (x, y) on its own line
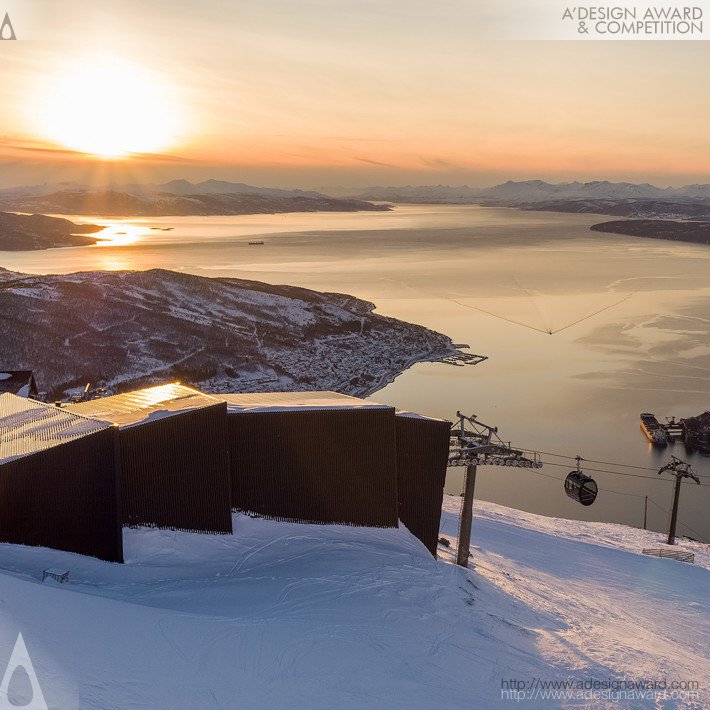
(298, 616)
(131, 328)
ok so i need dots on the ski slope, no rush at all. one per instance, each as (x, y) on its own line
(307, 616)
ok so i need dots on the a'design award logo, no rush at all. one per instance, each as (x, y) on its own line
(7, 31)
(23, 691)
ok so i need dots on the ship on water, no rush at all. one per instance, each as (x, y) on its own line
(653, 429)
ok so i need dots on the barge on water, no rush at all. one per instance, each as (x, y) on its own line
(655, 432)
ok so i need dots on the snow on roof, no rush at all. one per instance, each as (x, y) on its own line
(416, 415)
(27, 427)
(146, 405)
(294, 402)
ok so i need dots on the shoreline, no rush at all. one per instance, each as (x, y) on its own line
(665, 229)
(390, 377)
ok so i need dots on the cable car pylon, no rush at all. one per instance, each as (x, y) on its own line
(680, 469)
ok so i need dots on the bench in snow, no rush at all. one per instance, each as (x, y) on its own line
(59, 575)
(671, 554)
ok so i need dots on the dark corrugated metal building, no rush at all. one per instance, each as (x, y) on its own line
(318, 457)
(174, 456)
(59, 480)
(422, 456)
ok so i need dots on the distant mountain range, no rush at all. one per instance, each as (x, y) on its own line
(174, 187)
(218, 197)
(420, 194)
(622, 199)
(530, 191)
(539, 191)
(175, 198)
(122, 329)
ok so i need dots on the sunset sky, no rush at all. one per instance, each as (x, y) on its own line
(338, 92)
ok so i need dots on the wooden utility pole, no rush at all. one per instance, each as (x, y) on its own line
(645, 511)
(680, 469)
(674, 511)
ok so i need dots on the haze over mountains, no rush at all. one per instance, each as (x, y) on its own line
(533, 191)
(219, 197)
(621, 199)
(173, 187)
(175, 198)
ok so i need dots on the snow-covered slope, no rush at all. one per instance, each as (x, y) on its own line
(299, 616)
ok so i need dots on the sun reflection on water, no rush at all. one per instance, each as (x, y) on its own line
(119, 235)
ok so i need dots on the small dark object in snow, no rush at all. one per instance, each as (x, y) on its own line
(58, 575)
(443, 541)
(470, 600)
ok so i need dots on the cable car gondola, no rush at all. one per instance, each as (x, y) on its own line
(580, 487)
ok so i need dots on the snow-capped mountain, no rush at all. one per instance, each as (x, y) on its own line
(513, 193)
(121, 328)
(538, 190)
(426, 194)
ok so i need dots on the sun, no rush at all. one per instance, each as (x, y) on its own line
(109, 108)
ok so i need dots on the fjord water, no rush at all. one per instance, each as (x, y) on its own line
(498, 280)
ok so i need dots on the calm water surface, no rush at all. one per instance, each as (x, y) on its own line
(498, 280)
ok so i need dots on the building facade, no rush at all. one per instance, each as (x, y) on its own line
(174, 456)
(59, 480)
(422, 457)
(316, 457)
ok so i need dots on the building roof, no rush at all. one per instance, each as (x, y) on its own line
(145, 405)
(19, 382)
(27, 427)
(294, 402)
(416, 415)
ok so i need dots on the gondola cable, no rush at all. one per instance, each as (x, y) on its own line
(623, 493)
(603, 463)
